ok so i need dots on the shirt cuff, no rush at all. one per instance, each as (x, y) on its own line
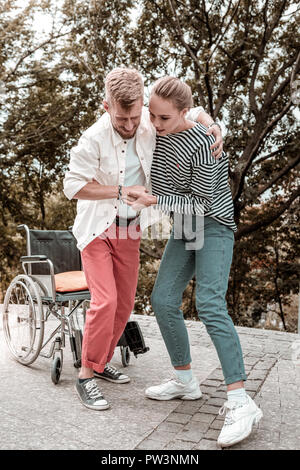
(72, 188)
(193, 113)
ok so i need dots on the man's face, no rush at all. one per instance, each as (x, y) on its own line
(125, 120)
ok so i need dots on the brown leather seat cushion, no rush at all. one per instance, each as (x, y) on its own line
(70, 281)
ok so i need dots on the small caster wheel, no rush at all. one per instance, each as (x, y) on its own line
(56, 368)
(125, 355)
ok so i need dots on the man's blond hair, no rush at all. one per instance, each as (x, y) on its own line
(124, 86)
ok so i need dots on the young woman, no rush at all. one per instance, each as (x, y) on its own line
(188, 180)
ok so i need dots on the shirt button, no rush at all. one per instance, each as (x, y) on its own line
(94, 234)
(123, 151)
(121, 171)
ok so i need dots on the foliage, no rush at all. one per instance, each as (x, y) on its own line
(241, 59)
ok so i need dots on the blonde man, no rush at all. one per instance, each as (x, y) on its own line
(112, 161)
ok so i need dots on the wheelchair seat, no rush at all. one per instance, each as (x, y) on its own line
(67, 296)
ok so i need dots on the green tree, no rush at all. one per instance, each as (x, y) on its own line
(241, 59)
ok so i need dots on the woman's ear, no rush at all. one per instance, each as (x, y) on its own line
(183, 112)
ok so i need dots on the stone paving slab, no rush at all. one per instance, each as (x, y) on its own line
(35, 414)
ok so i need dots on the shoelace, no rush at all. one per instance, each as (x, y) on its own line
(93, 390)
(229, 408)
(172, 379)
(112, 370)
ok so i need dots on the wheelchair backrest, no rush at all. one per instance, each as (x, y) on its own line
(59, 246)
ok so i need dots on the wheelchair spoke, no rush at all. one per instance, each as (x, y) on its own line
(23, 320)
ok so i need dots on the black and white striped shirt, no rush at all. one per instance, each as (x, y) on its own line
(187, 179)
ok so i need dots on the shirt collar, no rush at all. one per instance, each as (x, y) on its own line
(116, 138)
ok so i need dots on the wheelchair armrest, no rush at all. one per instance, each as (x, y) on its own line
(25, 260)
(33, 258)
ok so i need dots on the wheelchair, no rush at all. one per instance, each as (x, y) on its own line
(32, 301)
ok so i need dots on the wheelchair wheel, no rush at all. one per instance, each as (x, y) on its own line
(56, 368)
(125, 355)
(23, 320)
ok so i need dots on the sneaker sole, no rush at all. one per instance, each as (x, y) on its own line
(172, 397)
(91, 407)
(256, 418)
(122, 381)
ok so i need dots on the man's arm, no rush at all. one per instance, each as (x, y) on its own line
(213, 128)
(199, 115)
(84, 161)
(93, 191)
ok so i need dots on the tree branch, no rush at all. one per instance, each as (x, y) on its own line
(225, 31)
(30, 52)
(251, 151)
(278, 175)
(268, 219)
(269, 156)
(149, 252)
(269, 28)
(269, 99)
(181, 37)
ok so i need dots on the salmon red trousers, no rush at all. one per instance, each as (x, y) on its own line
(111, 265)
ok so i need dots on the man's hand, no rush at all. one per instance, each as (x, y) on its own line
(217, 147)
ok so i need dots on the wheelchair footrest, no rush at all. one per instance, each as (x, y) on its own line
(134, 338)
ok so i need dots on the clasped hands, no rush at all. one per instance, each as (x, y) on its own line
(137, 197)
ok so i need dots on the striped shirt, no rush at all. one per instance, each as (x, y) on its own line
(187, 179)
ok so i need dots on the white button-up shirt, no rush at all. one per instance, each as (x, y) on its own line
(100, 155)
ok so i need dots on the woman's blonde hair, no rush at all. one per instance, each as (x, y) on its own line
(124, 85)
(174, 90)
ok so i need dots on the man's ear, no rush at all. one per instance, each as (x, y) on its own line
(105, 105)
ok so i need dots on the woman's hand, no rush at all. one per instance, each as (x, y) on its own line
(144, 200)
(217, 147)
(131, 193)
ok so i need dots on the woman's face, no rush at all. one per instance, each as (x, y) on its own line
(165, 117)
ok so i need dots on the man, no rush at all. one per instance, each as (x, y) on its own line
(112, 161)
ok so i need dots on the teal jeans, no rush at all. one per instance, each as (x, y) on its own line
(211, 266)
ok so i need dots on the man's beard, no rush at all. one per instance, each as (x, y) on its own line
(128, 135)
(124, 134)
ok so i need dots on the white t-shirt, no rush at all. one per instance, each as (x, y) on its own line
(134, 175)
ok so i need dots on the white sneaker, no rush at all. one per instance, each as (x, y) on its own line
(175, 389)
(239, 420)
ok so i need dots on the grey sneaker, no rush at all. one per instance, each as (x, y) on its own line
(90, 395)
(111, 374)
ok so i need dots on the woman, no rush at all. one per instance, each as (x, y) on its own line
(187, 179)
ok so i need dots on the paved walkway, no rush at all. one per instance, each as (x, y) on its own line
(35, 414)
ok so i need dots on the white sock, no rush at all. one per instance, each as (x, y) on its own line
(238, 395)
(184, 375)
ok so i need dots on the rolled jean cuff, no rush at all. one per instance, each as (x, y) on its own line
(235, 378)
(93, 365)
(181, 363)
